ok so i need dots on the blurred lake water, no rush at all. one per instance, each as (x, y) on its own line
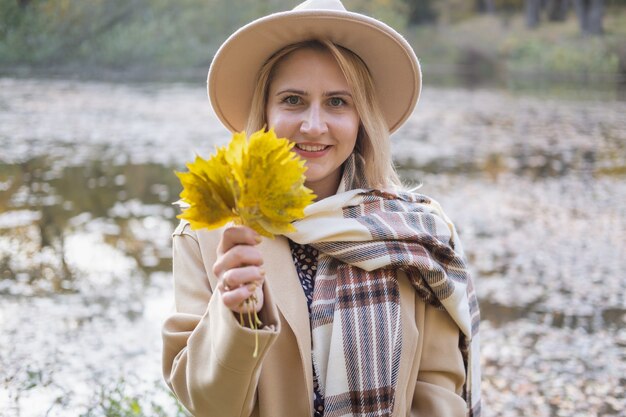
(536, 186)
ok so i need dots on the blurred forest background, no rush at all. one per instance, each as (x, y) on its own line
(520, 133)
(506, 41)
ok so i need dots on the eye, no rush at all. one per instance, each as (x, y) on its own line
(336, 101)
(292, 100)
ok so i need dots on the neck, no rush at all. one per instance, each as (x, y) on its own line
(325, 187)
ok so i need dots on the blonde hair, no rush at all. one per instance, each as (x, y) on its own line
(373, 142)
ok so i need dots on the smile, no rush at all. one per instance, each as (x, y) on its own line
(311, 148)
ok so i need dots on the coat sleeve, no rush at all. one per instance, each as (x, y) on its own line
(441, 373)
(207, 356)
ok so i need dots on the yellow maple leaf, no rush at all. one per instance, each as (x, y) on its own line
(256, 181)
(206, 191)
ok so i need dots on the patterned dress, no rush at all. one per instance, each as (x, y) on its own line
(305, 259)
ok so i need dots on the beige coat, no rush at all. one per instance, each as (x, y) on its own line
(207, 355)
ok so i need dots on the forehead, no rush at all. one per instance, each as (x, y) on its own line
(309, 66)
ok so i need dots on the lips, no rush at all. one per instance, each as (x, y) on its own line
(311, 148)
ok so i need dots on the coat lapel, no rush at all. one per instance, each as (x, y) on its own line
(284, 284)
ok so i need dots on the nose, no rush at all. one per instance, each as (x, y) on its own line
(313, 122)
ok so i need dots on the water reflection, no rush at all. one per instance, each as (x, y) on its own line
(84, 253)
(44, 206)
(71, 229)
(523, 162)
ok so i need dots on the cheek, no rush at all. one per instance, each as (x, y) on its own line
(280, 122)
(349, 131)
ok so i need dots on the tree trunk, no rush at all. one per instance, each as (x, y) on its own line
(485, 6)
(557, 10)
(581, 14)
(420, 11)
(533, 13)
(590, 14)
(596, 14)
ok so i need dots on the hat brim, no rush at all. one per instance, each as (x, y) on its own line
(388, 56)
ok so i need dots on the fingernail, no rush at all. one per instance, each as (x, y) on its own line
(251, 287)
(262, 271)
(258, 238)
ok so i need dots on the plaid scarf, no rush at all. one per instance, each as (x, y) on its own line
(363, 237)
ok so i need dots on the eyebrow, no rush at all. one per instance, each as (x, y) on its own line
(304, 93)
(292, 90)
(338, 93)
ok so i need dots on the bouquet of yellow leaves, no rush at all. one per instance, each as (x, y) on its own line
(257, 182)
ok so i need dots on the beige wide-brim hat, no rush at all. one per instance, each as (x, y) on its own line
(388, 56)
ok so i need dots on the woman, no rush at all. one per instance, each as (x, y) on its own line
(367, 309)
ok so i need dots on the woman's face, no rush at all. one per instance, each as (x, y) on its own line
(310, 103)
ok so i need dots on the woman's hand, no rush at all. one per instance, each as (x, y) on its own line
(239, 269)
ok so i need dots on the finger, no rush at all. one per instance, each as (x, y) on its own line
(224, 285)
(237, 235)
(236, 257)
(236, 277)
(235, 299)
